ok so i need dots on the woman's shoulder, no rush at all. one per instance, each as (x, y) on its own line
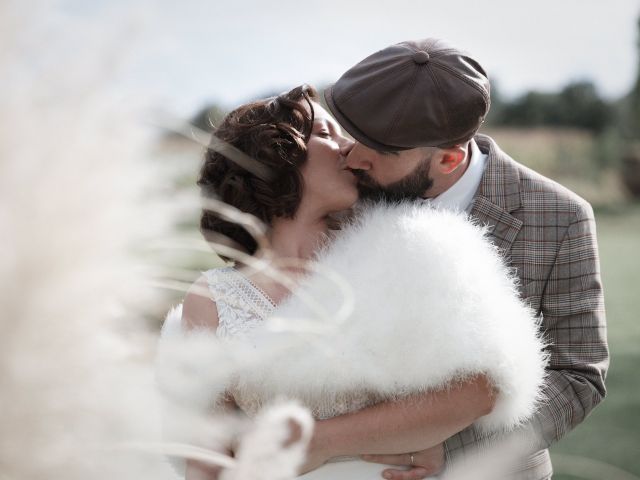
(223, 296)
(199, 309)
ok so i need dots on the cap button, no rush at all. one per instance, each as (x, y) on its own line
(420, 57)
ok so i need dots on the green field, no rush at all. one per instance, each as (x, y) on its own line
(611, 435)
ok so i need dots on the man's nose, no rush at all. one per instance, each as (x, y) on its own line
(356, 160)
(345, 145)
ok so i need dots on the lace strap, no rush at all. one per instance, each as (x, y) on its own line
(241, 304)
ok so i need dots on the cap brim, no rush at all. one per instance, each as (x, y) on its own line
(354, 131)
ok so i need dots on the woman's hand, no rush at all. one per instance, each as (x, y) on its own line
(196, 470)
(201, 471)
(425, 463)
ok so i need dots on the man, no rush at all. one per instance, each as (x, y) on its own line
(414, 110)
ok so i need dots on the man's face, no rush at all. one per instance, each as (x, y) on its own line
(391, 175)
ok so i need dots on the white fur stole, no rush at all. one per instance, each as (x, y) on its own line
(433, 302)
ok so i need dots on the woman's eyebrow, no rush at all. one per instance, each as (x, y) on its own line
(332, 125)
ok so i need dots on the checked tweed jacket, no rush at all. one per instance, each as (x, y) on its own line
(548, 235)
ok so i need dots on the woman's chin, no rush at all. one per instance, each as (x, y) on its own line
(343, 205)
(351, 200)
(338, 199)
(344, 198)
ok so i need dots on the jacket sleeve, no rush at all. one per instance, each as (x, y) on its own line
(575, 329)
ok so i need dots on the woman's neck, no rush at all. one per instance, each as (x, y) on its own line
(298, 237)
(291, 239)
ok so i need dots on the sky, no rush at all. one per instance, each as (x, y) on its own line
(183, 54)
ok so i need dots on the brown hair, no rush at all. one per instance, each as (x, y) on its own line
(274, 133)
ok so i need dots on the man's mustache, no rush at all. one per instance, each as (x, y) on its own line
(364, 178)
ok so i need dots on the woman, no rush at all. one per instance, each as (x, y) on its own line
(306, 183)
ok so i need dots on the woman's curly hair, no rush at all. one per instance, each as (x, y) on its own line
(274, 133)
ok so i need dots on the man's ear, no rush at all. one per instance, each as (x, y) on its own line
(450, 159)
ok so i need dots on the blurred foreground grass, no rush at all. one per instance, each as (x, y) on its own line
(612, 433)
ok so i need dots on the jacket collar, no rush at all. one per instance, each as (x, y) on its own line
(501, 181)
(498, 194)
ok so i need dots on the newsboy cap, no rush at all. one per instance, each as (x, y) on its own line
(421, 93)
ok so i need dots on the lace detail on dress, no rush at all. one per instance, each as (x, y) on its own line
(241, 305)
(251, 402)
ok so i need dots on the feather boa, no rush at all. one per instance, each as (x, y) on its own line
(433, 303)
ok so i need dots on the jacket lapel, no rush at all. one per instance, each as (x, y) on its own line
(498, 195)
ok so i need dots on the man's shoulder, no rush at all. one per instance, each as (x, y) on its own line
(535, 187)
(536, 191)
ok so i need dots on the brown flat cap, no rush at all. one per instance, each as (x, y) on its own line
(420, 93)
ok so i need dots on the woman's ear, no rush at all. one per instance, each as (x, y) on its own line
(450, 159)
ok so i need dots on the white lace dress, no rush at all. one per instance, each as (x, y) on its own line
(241, 307)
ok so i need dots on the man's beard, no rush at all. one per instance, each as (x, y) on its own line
(411, 187)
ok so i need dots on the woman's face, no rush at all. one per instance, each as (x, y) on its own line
(328, 183)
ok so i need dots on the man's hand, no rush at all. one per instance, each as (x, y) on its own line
(317, 452)
(316, 456)
(425, 463)
(313, 460)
